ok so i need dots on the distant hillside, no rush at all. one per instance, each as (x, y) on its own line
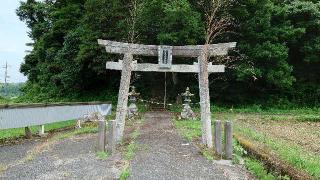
(12, 90)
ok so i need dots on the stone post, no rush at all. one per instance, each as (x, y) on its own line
(78, 124)
(111, 138)
(41, 131)
(218, 137)
(101, 135)
(28, 132)
(228, 139)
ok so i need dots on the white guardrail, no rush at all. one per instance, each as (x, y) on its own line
(16, 116)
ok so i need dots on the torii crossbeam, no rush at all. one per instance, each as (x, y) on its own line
(127, 65)
(180, 68)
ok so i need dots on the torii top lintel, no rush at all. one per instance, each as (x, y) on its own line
(152, 50)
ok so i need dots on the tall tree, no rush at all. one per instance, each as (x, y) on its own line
(278, 49)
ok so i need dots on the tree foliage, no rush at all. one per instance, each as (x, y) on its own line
(277, 58)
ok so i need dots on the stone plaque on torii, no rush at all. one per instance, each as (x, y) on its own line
(165, 54)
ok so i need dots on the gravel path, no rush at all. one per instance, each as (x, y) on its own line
(163, 154)
(71, 158)
(12, 153)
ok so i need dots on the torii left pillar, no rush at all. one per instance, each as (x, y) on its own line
(122, 106)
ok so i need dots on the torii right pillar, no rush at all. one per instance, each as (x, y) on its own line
(205, 99)
(203, 74)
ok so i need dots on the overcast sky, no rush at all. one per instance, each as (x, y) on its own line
(13, 37)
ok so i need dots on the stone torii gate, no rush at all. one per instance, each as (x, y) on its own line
(165, 53)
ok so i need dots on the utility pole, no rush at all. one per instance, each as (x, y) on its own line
(6, 78)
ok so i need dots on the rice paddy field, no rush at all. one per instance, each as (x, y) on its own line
(293, 137)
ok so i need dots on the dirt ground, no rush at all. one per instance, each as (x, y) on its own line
(304, 134)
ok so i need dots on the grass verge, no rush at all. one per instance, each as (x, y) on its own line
(131, 150)
(255, 109)
(132, 147)
(19, 132)
(189, 129)
(129, 146)
(92, 128)
(257, 169)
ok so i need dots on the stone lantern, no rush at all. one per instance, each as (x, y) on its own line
(133, 109)
(187, 112)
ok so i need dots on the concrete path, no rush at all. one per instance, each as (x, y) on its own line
(163, 154)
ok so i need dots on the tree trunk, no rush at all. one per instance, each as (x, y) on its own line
(205, 98)
(123, 96)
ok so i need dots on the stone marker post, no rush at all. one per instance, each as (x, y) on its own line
(101, 135)
(78, 124)
(41, 131)
(111, 138)
(28, 132)
(228, 138)
(218, 137)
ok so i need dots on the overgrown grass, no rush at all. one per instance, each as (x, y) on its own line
(257, 169)
(309, 118)
(131, 151)
(255, 166)
(4, 100)
(84, 130)
(255, 109)
(189, 129)
(292, 154)
(17, 132)
(132, 147)
(142, 107)
(267, 110)
(102, 155)
(125, 173)
(300, 118)
(135, 134)
(192, 129)
(208, 154)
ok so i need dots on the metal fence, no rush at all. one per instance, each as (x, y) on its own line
(16, 116)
